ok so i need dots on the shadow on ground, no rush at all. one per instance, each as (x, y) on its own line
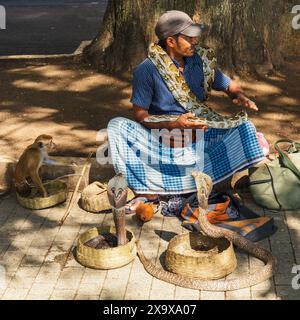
(72, 102)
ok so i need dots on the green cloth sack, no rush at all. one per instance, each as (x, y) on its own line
(276, 186)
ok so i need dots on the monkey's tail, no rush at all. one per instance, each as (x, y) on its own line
(58, 178)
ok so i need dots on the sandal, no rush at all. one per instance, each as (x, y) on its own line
(134, 203)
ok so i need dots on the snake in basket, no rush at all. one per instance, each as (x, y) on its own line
(204, 187)
(176, 83)
(117, 194)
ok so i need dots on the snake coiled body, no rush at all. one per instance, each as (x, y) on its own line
(180, 90)
(204, 186)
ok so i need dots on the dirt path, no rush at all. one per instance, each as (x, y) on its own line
(72, 102)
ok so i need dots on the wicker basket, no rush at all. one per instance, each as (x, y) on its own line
(195, 255)
(57, 190)
(109, 258)
(94, 197)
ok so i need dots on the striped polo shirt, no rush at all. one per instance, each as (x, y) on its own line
(151, 93)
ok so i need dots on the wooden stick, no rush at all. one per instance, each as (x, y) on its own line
(67, 256)
(71, 203)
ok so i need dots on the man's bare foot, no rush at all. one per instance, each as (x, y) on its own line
(150, 197)
(140, 198)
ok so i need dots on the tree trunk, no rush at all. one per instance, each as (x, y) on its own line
(248, 35)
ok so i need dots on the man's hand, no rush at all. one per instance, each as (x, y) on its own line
(184, 123)
(243, 101)
(181, 139)
(181, 123)
(238, 97)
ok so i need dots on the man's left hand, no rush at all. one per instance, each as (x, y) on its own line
(243, 101)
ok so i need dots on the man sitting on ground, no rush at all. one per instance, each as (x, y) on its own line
(153, 167)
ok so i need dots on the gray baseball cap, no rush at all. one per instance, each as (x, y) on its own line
(174, 22)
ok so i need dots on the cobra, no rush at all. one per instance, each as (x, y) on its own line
(204, 187)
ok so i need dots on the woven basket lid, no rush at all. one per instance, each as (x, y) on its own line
(94, 197)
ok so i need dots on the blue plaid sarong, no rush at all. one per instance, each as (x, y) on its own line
(151, 167)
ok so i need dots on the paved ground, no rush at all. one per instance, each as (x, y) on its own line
(32, 247)
(49, 27)
(33, 251)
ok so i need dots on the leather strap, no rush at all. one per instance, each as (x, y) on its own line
(285, 160)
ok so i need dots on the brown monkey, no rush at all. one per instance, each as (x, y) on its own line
(30, 162)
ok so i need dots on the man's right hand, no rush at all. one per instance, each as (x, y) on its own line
(183, 122)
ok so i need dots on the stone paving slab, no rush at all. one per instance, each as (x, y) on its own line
(33, 252)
